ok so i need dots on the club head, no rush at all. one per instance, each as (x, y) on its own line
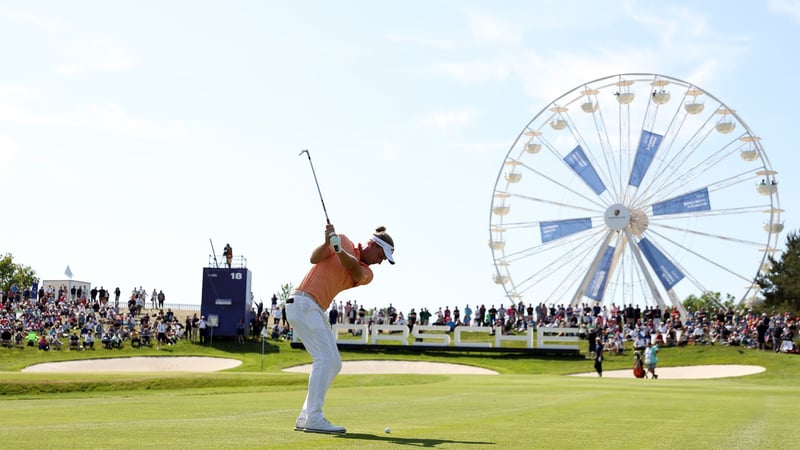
(304, 151)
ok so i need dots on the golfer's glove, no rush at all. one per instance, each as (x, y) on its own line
(336, 242)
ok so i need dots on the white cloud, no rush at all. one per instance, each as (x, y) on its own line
(15, 94)
(686, 33)
(451, 119)
(99, 117)
(8, 152)
(545, 76)
(438, 44)
(788, 7)
(100, 57)
(46, 23)
(487, 29)
(486, 148)
(677, 38)
(496, 69)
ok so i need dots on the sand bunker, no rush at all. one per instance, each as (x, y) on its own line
(139, 364)
(207, 364)
(401, 367)
(685, 372)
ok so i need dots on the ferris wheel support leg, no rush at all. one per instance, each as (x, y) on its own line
(592, 269)
(676, 302)
(645, 271)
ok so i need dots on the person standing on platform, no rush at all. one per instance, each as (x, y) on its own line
(228, 255)
(187, 332)
(202, 326)
(240, 332)
(337, 265)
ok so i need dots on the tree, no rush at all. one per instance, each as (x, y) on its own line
(709, 301)
(11, 273)
(286, 291)
(781, 285)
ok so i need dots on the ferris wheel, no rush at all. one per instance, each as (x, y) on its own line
(637, 189)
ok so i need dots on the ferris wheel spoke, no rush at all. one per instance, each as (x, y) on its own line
(696, 203)
(704, 258)
(566, 258)
(579, 160)
(561, 185)
(560, 290)
(592, 106)
(708, 235)
(555, 203)
(665, 172)
(580, 165)
(700, 169)
(582, 238)
(730, 181)
(745, 210)
(692, 174)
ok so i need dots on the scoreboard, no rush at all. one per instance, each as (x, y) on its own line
(226, 298)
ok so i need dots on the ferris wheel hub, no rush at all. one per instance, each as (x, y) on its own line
(639, 222)
(617, 216)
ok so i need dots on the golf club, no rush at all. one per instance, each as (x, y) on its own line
(317, 183)
(334, 242)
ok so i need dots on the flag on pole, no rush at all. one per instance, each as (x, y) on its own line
(68, 272)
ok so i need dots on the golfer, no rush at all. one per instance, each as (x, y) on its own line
(598, 357)
(337, 265)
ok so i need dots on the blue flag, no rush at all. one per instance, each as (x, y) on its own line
(577, 160)
(648, 146)
(667, 272)
(693, 201)
(597, 286)
(557, 229)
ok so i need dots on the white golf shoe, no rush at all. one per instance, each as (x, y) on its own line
(322, 426)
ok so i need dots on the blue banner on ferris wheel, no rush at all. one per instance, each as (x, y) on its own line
(648, 146)
(693, 201)
(597, 286)
(667, 272)
(557, 229)
(578, 161)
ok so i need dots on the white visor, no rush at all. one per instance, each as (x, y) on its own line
(388, 250)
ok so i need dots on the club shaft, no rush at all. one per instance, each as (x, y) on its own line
(319, 191)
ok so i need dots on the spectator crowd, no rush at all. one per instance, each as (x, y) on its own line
(612, 324)
(57, 317)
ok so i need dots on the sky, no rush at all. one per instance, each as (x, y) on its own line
(133, 135)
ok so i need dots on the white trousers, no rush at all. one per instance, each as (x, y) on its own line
(311, 326)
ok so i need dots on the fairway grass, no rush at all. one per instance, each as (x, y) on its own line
(530, 405)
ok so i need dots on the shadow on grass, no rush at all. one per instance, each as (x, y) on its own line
(416, 442)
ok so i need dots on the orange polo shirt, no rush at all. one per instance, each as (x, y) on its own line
(329, 277)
